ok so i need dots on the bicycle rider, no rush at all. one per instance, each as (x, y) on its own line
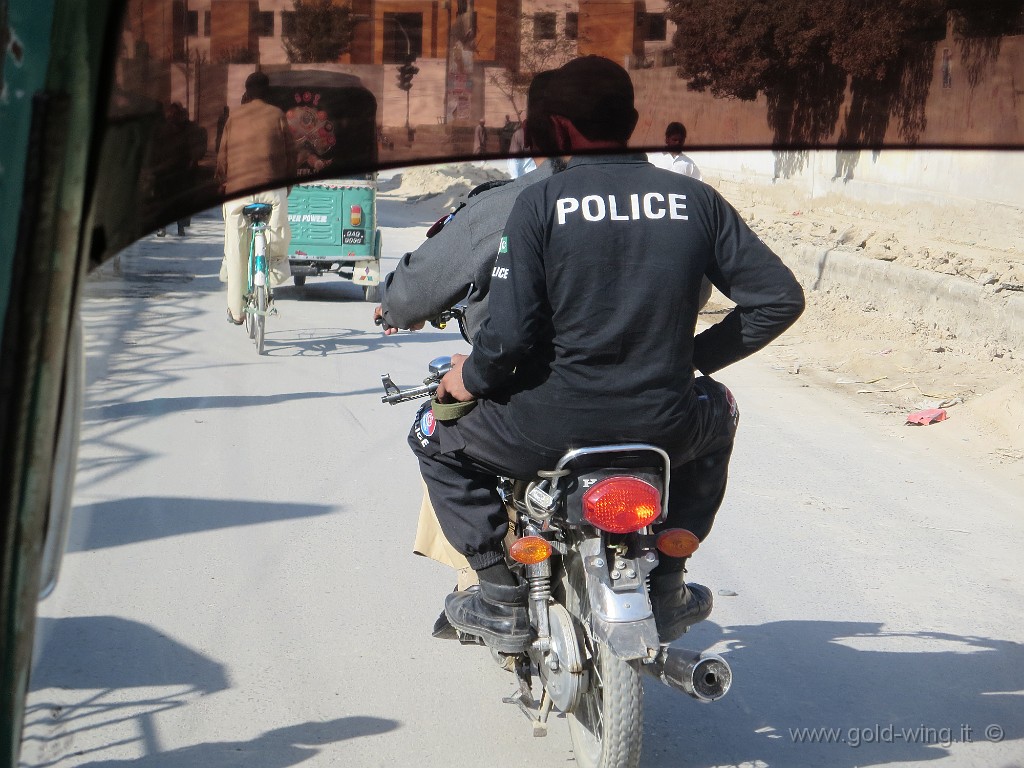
(256, 147)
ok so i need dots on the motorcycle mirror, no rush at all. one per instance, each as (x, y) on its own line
(439, 366)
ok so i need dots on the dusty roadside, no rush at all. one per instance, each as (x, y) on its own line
(872, 350)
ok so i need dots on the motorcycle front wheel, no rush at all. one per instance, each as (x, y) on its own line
(606, 726)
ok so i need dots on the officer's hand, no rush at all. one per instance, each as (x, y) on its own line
(451, 386)
(378, 319)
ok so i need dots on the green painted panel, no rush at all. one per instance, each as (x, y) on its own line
(332, 221)
(25, 58)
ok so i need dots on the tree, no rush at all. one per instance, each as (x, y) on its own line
(537, 55)
(810, 57)
(320, 31)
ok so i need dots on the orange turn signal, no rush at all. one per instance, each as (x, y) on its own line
(530, 550)
(677, 542)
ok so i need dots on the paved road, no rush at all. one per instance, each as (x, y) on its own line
(239, 588)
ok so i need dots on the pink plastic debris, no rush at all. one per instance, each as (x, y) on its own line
(927, 416)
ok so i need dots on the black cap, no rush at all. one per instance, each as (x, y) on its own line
(596, 95)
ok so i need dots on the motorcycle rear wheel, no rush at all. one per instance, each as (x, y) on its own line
(606, 726)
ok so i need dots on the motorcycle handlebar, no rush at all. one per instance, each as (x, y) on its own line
(440, 321)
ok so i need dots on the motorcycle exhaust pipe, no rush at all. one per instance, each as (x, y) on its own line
(703, 676)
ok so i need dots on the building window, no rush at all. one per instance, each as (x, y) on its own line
(264, 23)
(192, 24)
(403, 37)
(572, 26)
(652, 26)
(206, 23)
(287, 23)
(543, 26)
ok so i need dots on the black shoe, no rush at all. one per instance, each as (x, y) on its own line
(233, 321)
(161, 232)
(677, 606)
(495, 613)
(181, 231)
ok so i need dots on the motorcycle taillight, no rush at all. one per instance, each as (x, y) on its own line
(621, 504)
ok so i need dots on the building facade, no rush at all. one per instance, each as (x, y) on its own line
(468, 51)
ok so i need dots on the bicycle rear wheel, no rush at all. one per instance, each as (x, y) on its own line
(261, 317)
(250, 317)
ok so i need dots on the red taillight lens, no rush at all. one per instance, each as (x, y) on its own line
(621, 504)
(356, 215)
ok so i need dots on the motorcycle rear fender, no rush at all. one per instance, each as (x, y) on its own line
(620, 616)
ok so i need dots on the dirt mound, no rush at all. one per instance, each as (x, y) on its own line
(876, 350)
(445, 184)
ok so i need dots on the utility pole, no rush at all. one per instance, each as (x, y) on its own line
(405, 75)
(447, 58)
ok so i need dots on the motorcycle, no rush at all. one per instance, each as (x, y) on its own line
(583, 541)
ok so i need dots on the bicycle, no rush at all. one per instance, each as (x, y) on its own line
(258, 297)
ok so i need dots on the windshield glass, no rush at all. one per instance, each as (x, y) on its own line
(374, 86)
(240, 585)
(240, 578)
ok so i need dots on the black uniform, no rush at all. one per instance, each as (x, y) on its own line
(590, 339)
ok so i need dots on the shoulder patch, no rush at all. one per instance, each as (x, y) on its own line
(488, 185)
(427, 423)
(503, 245)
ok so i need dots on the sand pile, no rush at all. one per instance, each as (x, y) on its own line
(445, 184)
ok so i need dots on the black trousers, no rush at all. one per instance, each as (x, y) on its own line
(461, 460)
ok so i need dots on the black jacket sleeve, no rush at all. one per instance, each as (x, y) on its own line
(431, 279)
(768, 297)
(518, 302)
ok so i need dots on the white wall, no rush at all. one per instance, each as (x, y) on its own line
(940, 177)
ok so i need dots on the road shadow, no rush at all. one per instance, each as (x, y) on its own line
(279, 748)
(152, 269)
(160, 406)
(321, 342)
(891, 698)
(147, 518)
(93, 673)
(144, 657)
(327, 288)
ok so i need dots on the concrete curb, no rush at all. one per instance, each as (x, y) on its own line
(970, 311)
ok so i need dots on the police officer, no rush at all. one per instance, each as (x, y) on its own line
(589, 339)
(453, 266)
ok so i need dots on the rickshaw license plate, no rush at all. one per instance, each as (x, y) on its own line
(353, 237)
